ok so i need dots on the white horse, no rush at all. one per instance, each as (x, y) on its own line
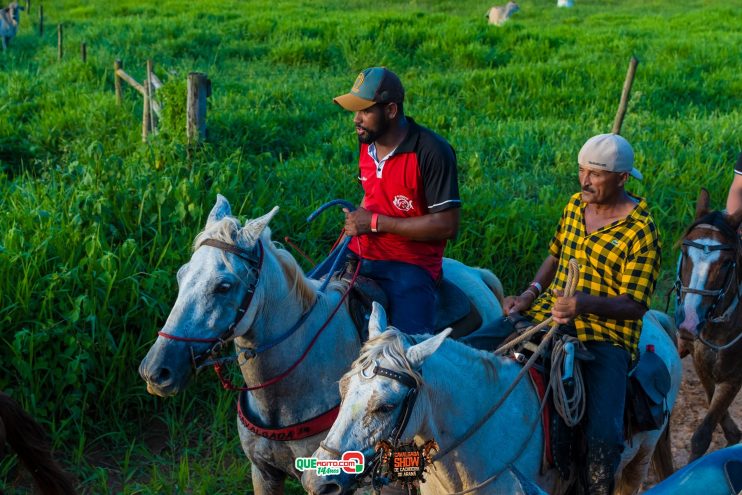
(457, 386)
(10, 16)
(287, 322)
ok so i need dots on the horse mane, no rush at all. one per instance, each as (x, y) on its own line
(229, 230)
(30, 442)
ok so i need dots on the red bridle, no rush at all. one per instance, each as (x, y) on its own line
(254, 259)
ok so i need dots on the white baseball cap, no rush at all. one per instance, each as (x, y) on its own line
(608, 152)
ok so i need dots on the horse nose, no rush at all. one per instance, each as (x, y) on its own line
(319, 485)
(329, 489)
(161, 375)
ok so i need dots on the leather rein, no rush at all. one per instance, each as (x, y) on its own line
(731, 275)
(254, 261)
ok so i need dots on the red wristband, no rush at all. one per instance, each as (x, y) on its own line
(374, 222)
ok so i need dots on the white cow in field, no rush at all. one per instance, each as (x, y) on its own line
(9, 18)
(499, 15)
(565, 3)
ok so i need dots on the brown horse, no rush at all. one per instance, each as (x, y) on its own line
(29, 441)
(709, 315)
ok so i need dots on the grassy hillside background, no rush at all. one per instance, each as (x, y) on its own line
(94, 223)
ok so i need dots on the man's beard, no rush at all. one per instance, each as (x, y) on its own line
(372, 136)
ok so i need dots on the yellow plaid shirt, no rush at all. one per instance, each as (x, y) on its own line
(620, 258)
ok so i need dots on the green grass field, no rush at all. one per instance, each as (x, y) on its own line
(94, 223)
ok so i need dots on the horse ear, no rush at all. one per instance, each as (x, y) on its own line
(420, 352)
(377, 322)
(702, 203)
(252, 230)
(220, 210)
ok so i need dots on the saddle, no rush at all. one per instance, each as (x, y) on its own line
(646, 395)
(645, 406)
(452, 306)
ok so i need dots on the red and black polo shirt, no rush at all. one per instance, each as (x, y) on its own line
(419, 178)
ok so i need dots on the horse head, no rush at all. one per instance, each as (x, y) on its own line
(14, 11)
(709, 273)
(220, 291)
(375, 399)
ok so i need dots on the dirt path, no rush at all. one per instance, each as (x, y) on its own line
(687, 415)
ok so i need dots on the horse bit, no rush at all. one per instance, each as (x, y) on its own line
(373, 468)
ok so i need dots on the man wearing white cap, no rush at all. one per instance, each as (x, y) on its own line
(611, 234)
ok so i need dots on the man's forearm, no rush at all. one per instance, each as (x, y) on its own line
(546, 271)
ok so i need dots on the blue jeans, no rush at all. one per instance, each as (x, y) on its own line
(410, 290)
(605, 380)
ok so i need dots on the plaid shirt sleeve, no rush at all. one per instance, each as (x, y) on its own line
(642, 266)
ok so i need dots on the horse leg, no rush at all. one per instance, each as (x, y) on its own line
(731, 431)
(267, 480)
(724, 394)
(632, 475)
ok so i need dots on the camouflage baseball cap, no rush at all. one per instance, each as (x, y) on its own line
(373, 85)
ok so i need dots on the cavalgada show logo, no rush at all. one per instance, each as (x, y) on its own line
(351, 462)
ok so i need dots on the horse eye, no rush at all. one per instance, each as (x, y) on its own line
(223, 288)
(385, 409)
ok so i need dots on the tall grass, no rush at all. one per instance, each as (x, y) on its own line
(93, 223)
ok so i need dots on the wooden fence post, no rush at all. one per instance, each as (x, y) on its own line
(84, 52)
(150, 90)
(199, 88)
(146, 119)
(118, 64)
(624, 103)
(60, 51)
(41, 20)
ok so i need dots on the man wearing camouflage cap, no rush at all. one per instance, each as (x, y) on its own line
(411, 201)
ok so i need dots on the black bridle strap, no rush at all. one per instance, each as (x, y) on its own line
(254, 258)
(718, 294)
(409, 400)
(706, 248)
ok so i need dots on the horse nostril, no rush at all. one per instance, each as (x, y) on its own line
(162, 375)
(330, 489)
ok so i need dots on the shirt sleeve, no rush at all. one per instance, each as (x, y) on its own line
(439, 174)
(642, 266)
(738, 166)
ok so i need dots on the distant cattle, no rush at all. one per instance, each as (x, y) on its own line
(565, 3)
(499, 15)
(9, 18)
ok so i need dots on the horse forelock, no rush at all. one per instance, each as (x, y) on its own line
(716, 219)
(389, 347)
(229, 230)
